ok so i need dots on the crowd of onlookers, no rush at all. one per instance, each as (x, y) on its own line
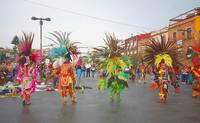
(8, 72)
(86, 70)
(183, 75)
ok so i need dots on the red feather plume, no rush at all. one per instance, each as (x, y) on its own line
(36, 56)
(25, 45)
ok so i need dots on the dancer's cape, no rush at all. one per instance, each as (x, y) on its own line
(66, 75)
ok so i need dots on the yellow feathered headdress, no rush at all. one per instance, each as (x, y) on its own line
(162, 49)
(165, 57)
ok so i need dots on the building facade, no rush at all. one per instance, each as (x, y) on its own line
(185, 29)
(131, 46)
(161, 32)
(136, 45)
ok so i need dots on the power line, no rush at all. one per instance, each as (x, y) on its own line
(88, 16)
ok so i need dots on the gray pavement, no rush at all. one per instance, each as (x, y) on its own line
(138, 105)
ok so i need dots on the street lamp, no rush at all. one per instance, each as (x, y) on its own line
(41, 23)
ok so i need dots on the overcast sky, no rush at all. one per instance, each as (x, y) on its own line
(136, 16)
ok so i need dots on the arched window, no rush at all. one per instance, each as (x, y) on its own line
(174, 36)
(189, 33)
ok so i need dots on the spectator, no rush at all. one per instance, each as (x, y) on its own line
(190, 76)
(93, 70)
(138, 74)
(88, 66)
(14, 70)
(83, 69)
(184, 76)
(78, 74)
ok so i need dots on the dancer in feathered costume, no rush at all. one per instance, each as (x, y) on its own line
(27, 72)
(65, 58)
(194, 54)
(143, 73)
(114, 64)
(163, 55)
(67, 82)
(173, 77)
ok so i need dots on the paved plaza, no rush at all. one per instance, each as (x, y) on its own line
(138, 105)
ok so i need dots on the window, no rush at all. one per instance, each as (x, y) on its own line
(189, 33)
(163, 38)
(131, 45)
(128, 47)
(183, 34)
(180, 45)
(135, 44)
(135, 52)
(131, 53)
(174, 36)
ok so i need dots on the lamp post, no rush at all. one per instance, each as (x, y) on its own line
(41, 23)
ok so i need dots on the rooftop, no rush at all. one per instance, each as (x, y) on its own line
(189, 14)
(139, 37)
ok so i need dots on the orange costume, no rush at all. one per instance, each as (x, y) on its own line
(196, 84)
(67, 81)
(163, 86)
(163, 90)
(193, 53)
(174, 80)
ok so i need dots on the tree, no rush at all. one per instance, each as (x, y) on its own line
(15, 42)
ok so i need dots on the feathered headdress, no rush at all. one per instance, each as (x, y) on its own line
(65, 48)
(35, 56)
(25, 44)
(165, 57)
(25, 50)
(113, 48)
(162, 50)
(62, 40)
